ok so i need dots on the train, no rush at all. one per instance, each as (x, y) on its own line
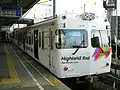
(69, 45)
(8, 36)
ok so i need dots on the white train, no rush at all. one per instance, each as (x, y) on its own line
(8, 36)
(71, 45)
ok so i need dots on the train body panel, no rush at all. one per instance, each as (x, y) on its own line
(69, 45)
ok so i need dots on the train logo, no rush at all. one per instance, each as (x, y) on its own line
(100, 52)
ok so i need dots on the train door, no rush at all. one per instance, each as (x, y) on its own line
(36, 44)
(50, 46)
(24, 35)
(46, 47)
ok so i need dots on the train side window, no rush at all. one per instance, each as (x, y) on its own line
(32, 39)
(16, 35)
(25, 35)
(19, 37)
(95, 42)
(51, 39)
(39, 39)
(109, 40)
(42, 40)
(99, 38)
(29, 40)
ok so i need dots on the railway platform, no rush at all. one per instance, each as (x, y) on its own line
(17, 72)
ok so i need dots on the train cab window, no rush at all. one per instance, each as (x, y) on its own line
(99, 38)
(39, 39)
(71, 38)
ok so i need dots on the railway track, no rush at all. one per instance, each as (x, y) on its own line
(85, 85)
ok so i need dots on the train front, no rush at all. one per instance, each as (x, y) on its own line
(83, 46)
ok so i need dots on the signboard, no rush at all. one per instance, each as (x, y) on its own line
(5, 1)
(5, 28)
(10, 11)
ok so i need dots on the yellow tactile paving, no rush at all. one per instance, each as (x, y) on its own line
(55, 81)
(13, 74)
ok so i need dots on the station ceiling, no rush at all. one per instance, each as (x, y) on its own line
(24, 4)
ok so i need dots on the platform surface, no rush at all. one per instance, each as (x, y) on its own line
(17, 74)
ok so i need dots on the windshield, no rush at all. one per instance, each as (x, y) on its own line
(72, 38)
(102, 38)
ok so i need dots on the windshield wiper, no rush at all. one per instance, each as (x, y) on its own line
(76, 51)
(78, 46)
